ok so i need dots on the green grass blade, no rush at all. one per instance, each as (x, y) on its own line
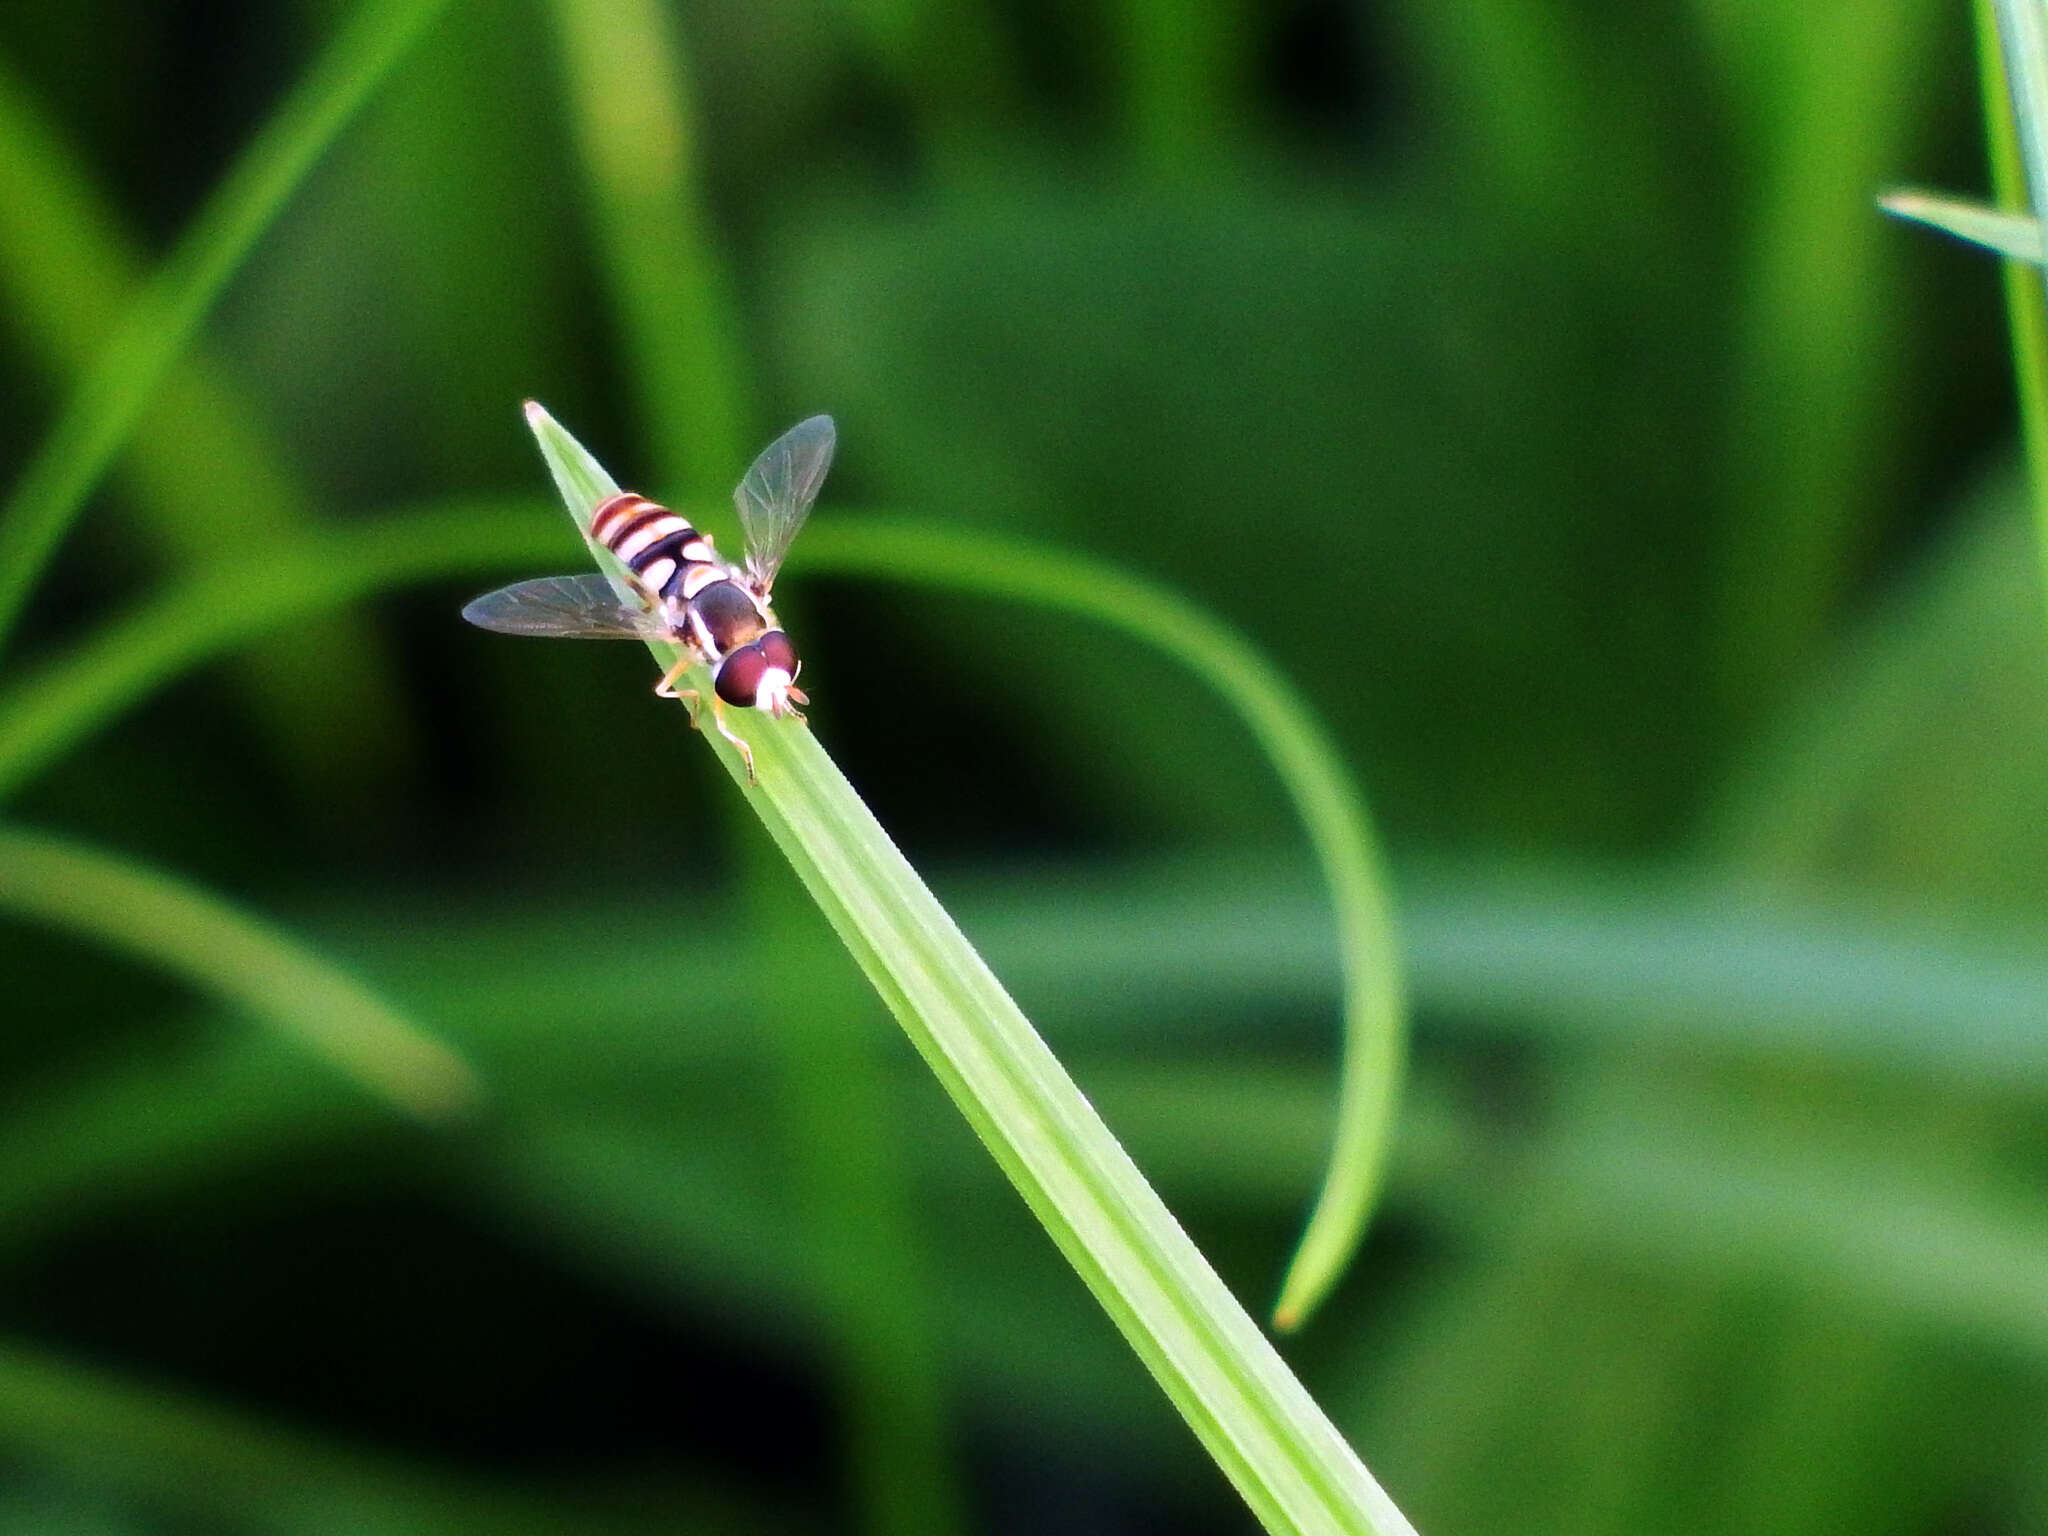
(628, 95)
(1230, 1385)
(1880, 719)
(1309, 765)
(202, 475)
(236, 957)
(2026, 290)
(104, 408)
(2016, 235)
(1816, 399)
(59, 705)
(2022, 29)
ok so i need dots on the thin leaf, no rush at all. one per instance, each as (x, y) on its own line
(1309, 765)
(860, 1231)
(1680, 971)
(2023, 46)
(202, 476)
(629, 101)
(104, 408)
(60, 704)
(1265, 1432)
(236, 957)
(1817, 399)
(632, 105)
(2026, 297)
(2016, 235)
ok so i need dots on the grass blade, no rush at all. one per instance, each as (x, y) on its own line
(1620, 965)
(2026, 292)
(1230, 1385)
(628, 95)
(2016, 235)
(1815, 416)
(1309, 765)
(842, 1106)
(109, 399)
(202, 475)
(57, 706)
(2023, 47)
(236, 957)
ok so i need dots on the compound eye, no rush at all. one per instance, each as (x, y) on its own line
(779, 652)
(739, 676)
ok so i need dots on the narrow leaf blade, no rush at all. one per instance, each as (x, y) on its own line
(2016, 235)
(1257, 1421)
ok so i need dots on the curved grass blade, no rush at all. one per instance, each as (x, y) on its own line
(236, 957)
(1310, 767)
(1263, 1429)
(109, 399)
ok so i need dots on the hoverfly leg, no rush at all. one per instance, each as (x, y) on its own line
(666, 688)
(746, 752)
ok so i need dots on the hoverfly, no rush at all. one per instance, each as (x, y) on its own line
(683, 593)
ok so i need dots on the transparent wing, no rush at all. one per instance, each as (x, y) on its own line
(777, 494)
(581, 607)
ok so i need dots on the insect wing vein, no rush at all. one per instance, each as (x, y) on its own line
(778, 493)
(566, 607)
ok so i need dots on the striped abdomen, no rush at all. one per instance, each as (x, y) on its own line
(658, 546)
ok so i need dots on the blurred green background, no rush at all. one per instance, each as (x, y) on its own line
(1535, 383)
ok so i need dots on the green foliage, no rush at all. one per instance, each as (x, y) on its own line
(1536, 391)
(1289, 1462)
(106, 403)
(203, 472)
(234, 956)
